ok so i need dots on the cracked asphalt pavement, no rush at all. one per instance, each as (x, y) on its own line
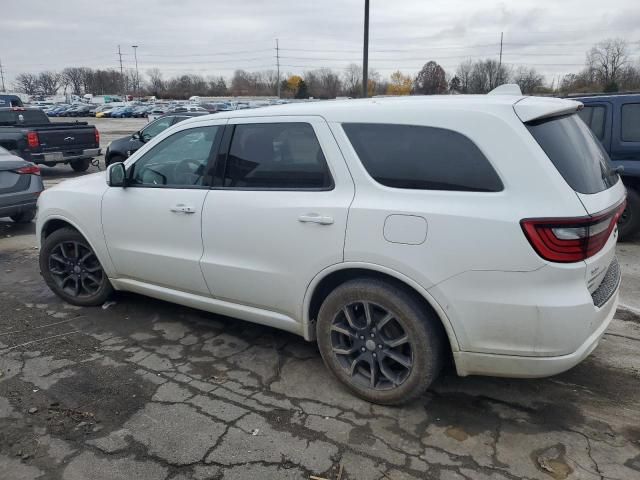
(143, 389)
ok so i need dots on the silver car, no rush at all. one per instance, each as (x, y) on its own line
(20, 186)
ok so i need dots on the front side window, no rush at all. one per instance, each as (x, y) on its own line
(276, 156)
(594, 117)
(631, 122)
(421, 158)
(178, 161)
(156, 127)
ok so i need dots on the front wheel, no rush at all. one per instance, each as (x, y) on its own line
(379, 341)
(24, 217)
(629, 223)
(72, 270)
(80, 165)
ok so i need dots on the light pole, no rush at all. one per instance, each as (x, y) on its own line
(135, 55)
(365, 52)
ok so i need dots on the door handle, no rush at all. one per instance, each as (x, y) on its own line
(180, 208)
(315, 218)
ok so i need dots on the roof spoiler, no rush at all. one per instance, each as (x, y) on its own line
(537, 108)
(507, 89)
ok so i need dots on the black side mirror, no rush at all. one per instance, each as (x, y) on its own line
(116, 175)
(136, 136)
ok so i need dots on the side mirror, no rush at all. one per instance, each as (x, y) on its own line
(116, 175)
(136, 136)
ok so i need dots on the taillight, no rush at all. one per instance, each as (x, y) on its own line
(568, 240)
(32, 139)
(97, 136)
(29, 170)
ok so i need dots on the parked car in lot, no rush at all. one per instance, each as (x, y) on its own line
(122, 112)
(20, 186)
(28, 133)
(141, 111)
(395, 232)
(57, 110)
(78, 111)
(118, 150)
(105, 110)
(615, 120)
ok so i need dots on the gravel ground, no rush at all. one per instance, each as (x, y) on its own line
(148, 390)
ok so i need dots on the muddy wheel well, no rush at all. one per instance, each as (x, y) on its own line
(333, 280)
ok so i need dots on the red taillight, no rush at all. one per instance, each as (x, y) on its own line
(568, 240)
(32, 139)
(29, 170)
(97, 136)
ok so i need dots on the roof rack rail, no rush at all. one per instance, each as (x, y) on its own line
(601, 94)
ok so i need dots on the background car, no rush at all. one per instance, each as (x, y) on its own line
(20, 186)
(57, 109)
(122, 112)
(121, 148)
(104, 111)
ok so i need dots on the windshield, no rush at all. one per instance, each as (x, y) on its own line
(575, 152)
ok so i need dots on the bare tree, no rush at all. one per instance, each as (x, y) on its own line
(156, 83)
(75, 78)
(352, 80)
(528, 79)
(49, 82)
(606, 59)
(464, 72)
(26, 83)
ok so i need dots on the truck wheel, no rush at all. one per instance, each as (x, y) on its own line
(24, 217)
(72, 270)
(379, 341)
(81, 165)
(629, 223)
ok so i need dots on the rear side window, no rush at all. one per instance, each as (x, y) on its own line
(575, 152)
(25, 117)
(279, 156)
(421, 158)
(631, 122)
(594, 117)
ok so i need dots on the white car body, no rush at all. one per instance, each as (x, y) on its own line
(247, 254)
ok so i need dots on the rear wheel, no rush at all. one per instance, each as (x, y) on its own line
(81, 165)
(24, 217)
(380, 341)
(629, 223)
(72, 270)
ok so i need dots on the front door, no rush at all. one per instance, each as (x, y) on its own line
(153, 226)
(278, 214)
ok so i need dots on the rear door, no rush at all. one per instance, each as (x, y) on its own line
(278, 213)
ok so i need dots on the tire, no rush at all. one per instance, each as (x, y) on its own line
(81, 165)
(86, 282)
(24, 217)
(629, 223)
(113, 159)
(371, 350)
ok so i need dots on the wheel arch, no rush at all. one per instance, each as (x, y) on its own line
(333, 276)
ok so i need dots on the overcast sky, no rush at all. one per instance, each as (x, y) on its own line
(212, 37)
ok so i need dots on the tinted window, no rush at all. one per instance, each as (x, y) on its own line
(575, 152)
(179, 160)
(424, 158)
(26, 117)
(154, 128)
(594, 117)
(277, 156)
(631, 122)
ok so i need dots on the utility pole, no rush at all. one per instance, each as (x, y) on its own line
(278, 65)
(122, 88)
(500, 61)
(365, 52)
(2, 75)
(135, 55)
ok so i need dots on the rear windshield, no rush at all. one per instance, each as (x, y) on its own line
(575, 152)
(23, 117)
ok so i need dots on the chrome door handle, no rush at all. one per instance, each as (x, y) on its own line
(315, 218)
(180, 208)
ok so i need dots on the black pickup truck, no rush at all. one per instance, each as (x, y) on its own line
(28, 133)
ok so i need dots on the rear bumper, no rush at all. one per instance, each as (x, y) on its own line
(60, 157)
(19, 207)
(470, 363)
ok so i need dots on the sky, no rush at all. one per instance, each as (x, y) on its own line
(212, 37)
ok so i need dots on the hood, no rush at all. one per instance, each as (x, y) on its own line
(94, 182)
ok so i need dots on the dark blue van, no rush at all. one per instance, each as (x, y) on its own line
(615, 120)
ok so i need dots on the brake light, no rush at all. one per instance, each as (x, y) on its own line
(29, 170)
(97, 136)
(32, 140)
(568, 240)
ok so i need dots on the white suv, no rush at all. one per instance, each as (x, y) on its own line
(397, 233)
